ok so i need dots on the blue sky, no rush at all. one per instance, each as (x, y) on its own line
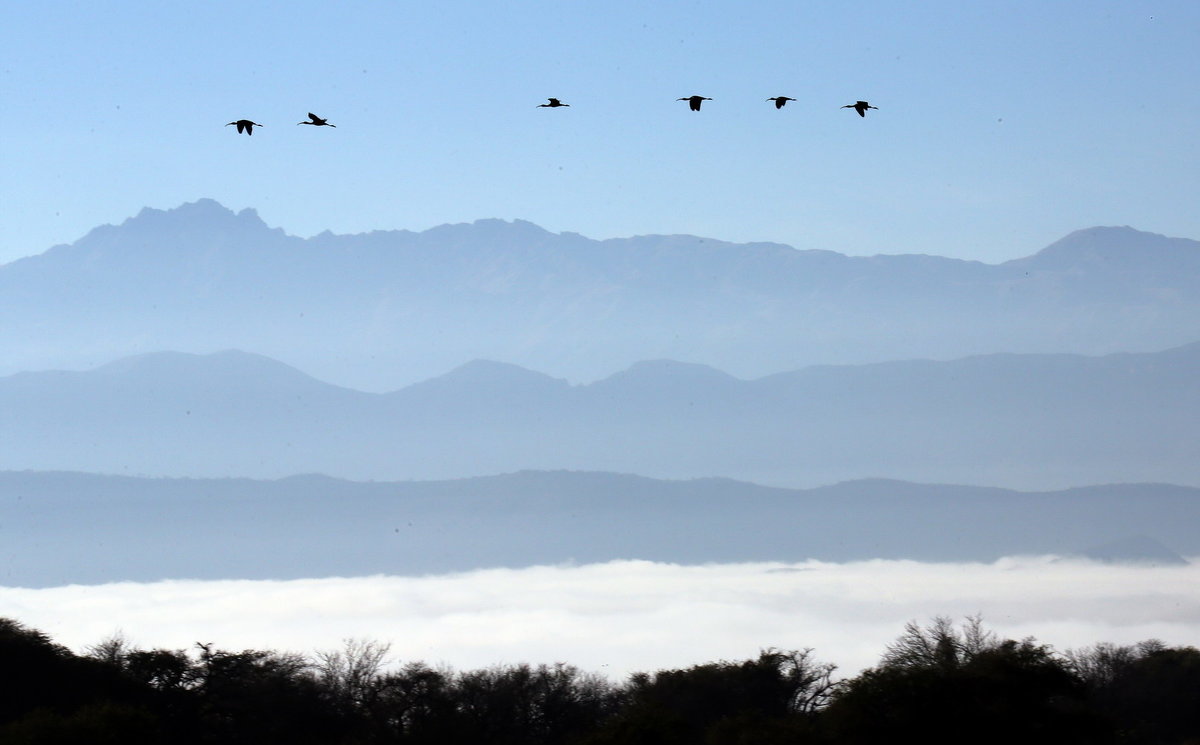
(1001, 126)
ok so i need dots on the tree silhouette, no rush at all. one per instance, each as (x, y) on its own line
(52, 695)
(938, 685)
(521, 704)
(775, 696)
(416, 706)
(1151, 692)
(256, 696)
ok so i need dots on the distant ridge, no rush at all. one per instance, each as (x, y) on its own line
(383, 309)
(316, 526)
(1023, 421)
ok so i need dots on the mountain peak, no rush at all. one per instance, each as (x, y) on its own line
(658, 372)
(1115, 245)
(196, 215)
(499, 232)
(203, 207)
(491, 373)
(189, 228)
(497, 223)
(226, 366)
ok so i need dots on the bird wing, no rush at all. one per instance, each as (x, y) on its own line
(314, 117)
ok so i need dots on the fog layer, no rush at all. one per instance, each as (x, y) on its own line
(622, 616)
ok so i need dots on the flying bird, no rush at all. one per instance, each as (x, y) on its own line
(861, 107)
(317, 121)
(694, 101)
(780, 101)
(554, 104)
(245, 125)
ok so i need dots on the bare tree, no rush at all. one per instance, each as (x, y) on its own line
(811, 682)
(113, 649)
(939, 644)
(1102, 664)
(353, 674)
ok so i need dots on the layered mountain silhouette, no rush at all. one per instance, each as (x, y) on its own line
(62, 528)
(384, 309)
(1020, 421)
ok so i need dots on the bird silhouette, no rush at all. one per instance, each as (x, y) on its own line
(780, 101)
(245, 125)
(554, 104)
(861, 107)
(317, 121)
(694, 101)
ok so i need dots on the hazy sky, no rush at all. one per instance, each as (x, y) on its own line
(625, 616)
(1001, 125)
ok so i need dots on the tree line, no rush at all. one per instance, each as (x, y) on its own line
(937, 683)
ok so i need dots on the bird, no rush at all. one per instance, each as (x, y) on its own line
(694, 101)
(317, 121)
(780, 101)
(554, 104)
(861, 107)
(245, 125)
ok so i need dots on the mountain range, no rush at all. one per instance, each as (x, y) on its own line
(380, 310)
(64, 528)
(433, 361)
(1021, 421)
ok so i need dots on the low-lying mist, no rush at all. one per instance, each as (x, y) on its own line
(623, 616)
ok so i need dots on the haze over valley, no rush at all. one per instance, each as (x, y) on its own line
(194, 395)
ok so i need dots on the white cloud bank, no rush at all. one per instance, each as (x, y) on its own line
(623, 616)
